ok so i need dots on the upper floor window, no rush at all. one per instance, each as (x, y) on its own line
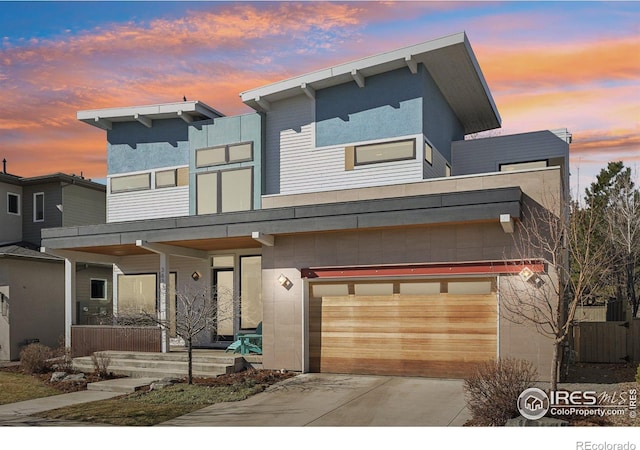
(447, 170)
(224, 154)
(385, 152)
(172, 178)
(428, 153)
(523, 165)
(129, 183)
(13, 203)
(38, 207)
(224, 191)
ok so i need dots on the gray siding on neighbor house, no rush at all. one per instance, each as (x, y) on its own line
(82, 206)
(132, 147)
(52, 214)
(487, 154)
(10, 224)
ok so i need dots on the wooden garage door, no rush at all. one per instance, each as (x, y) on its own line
(440, 334)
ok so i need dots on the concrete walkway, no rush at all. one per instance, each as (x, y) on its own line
(341, 400)
(305, 400)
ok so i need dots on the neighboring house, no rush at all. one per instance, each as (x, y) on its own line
(348, 214)
(32, 282)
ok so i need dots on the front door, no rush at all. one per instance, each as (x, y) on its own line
(224, 304)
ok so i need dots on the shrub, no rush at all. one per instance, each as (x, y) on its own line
(492, 390)
(36, 358)
(101, 362)
(638, 374)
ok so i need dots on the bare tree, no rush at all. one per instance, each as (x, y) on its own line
(623, 219)
(198, 310)
(548, 300)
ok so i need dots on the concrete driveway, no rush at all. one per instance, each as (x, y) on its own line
(341, 400)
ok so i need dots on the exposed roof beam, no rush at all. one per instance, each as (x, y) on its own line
(85, 257)
(265, 239)
(265, 105)
(103, 123)
(506, 221)
(185, 116)
(308, 90)
(143, 120)
(412, 64)
(358, 77)
(172, 250)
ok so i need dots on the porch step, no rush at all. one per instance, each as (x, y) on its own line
(161, 365)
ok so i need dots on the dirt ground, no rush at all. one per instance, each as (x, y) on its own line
(601, 373)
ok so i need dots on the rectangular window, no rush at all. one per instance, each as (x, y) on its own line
(98, 289)
(240, 152)
(137, 293)
(236, 190)
(13, 203)
(385, 152)
(226, 191)
(207, 193)
(224, 154)
(250, 291)
(428, 153)
(166, 178)
(211, 156)
(129, 183)
(523, 166)
(38, 207)
(447, 170)
(4, 305)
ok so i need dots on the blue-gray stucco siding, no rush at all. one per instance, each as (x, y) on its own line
(131, 146)
(225, 131)
(392, 104)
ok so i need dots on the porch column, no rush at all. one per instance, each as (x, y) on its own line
(164, 279)
(69, 298)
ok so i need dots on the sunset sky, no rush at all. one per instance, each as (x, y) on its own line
(549, 65)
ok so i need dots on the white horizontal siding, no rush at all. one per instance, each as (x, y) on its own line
(151, 204)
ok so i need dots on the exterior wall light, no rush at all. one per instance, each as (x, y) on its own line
(195, 275)
(285, 282)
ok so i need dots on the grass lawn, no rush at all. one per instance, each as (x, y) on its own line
(17, 387)
(147, 408)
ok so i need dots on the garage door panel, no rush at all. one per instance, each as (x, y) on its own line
(434, 335)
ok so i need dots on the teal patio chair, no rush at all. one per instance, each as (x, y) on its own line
(247, 342)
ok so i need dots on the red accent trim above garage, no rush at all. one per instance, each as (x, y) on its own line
(426, 269)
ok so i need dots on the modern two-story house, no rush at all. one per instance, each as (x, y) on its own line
(348, 214)
(31, 282)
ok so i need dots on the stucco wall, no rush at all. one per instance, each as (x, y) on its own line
(36, 302)
(133, 147)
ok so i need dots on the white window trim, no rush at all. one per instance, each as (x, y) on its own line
(19, 205)
(91, 297)
(35, 195)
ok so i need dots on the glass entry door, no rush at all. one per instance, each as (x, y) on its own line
(224, 304)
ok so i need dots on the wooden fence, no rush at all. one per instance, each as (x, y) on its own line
(86, 339)
(607, 342)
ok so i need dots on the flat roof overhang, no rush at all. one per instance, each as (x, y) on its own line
(234, 230)
(189, 111)
(450, 61)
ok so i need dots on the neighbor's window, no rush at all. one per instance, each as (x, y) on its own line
(38, 207)
(128, 183)
(226, 191)
(98, 289)
(4, 305)
(385, 152)
(224, 154)
(523, 166)
(13, 203)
